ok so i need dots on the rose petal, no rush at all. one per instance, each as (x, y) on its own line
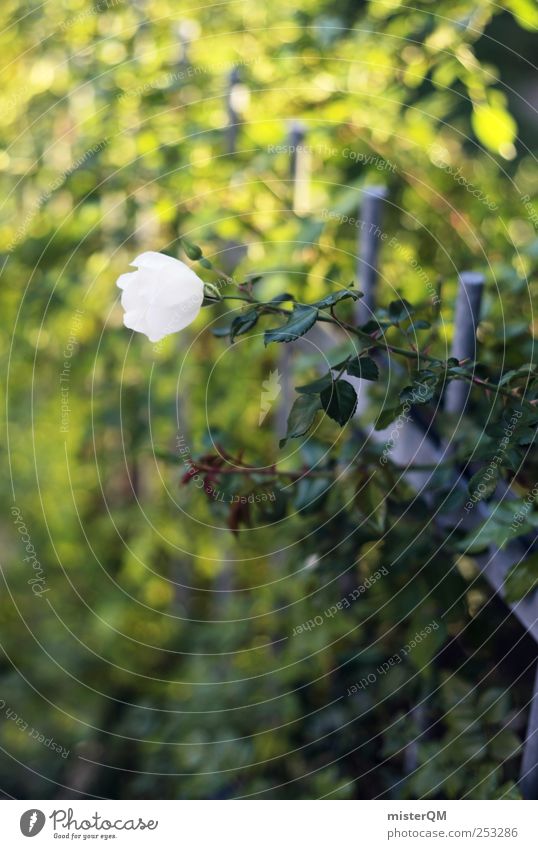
(138, 293)
(124, 279)
(156, 261)
(136, 320)
(161, 322)
(172, 289)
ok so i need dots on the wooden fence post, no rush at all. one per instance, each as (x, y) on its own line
(299, 191)
(236, 103)
(467, 314)
(371, 214)
(233, 115)
(299, 168)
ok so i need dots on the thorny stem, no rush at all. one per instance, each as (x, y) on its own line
(250, 470)
(417, 356)
(274, 472)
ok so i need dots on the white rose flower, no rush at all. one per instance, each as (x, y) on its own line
(163, 296)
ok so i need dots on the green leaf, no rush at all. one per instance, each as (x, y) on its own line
(339, 401)
(510, 790)
(485, 479)
(372, 503)
(316, 386)
(418, 393)
(301, 416)
(493, 531)
(335, 297)
(400, 310)
(493, 704)
(301, 320)
(243, 323)
(522, 578)
(311, 492)
(425, 650)
(284, 296)
(363, 367)
(494, 126)
(387, 416)
(504, 746)
(374, 326)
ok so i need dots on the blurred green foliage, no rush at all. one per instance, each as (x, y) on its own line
(162, 655)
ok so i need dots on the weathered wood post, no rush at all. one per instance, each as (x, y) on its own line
(236, 103)
(233, 115)
(299, 191)
(299, 168)
(371, 216)
(185, 32)
(368, 242)
(467, 314)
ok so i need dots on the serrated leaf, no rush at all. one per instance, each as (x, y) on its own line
(400, 310)
(387, 416)
(311, 493)
(493, 704)
(242, 323)
(374, 325)
(493, 531)
(335, 297)
(301, 416)
(301, 320)
(363, 367)
(504, 745)
(418, 393)
(425, 651)
(493, 126)
(284, 296)
(339, 401)
(488, 480)
(522, 579)
(316, 386)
